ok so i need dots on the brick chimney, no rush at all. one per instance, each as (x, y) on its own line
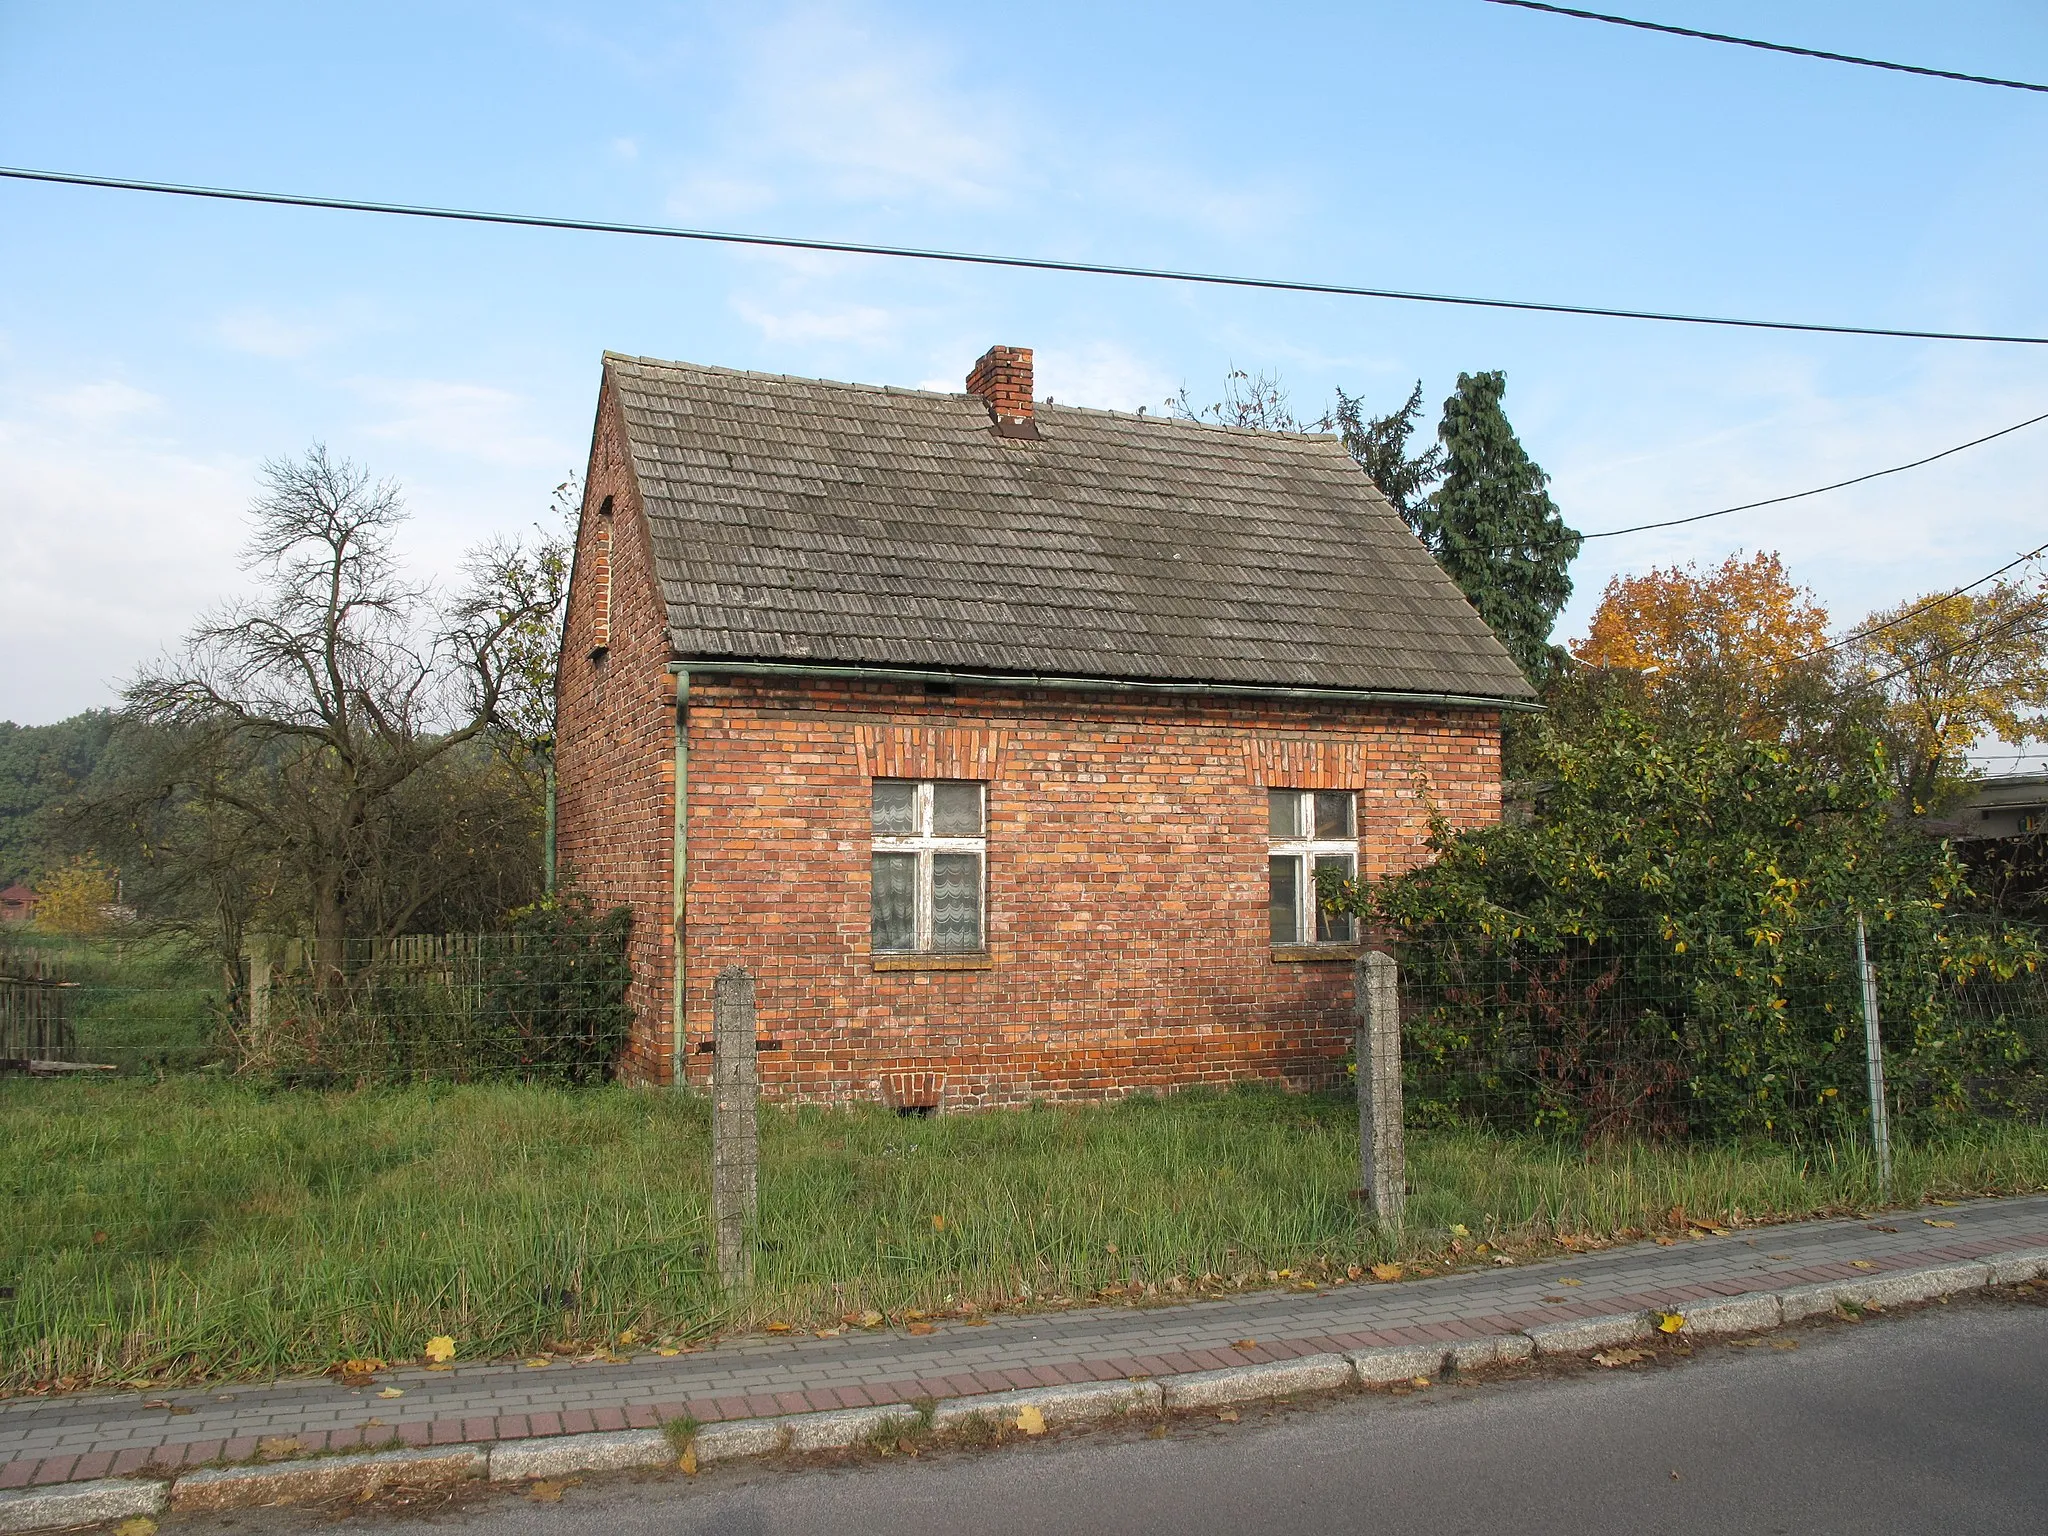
(1003, 380)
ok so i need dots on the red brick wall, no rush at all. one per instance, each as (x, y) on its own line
(1126, 881)
(615, 733)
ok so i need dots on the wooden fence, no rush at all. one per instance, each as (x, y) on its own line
(34, 1022)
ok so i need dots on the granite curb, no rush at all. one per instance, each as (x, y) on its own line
(72, 1504)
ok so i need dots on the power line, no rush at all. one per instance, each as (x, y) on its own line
(1772, 501)
(1919, 608)
(1751, 42)
(987, 259)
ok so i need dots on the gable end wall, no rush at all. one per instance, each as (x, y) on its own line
(615, 736)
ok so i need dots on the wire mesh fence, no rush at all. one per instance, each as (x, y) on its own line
(1663, 1031)
(547, 1006)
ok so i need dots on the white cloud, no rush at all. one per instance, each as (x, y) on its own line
(102, 402)
(264, 333)
(1100, 374)
(110, 545)
(857, 324)
(476, 421)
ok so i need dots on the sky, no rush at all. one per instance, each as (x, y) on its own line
(154, 352)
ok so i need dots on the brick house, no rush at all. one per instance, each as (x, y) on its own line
(1001, 740)
(18, 904)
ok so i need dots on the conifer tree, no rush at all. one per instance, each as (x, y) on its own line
(1492, 525)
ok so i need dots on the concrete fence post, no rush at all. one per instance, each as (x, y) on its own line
(735, 1134)
(1873, 1057)
(1383, 1157)
(258, 951)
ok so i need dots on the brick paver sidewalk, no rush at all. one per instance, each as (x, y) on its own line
(49, 1440)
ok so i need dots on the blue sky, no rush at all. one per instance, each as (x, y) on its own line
(154, 352)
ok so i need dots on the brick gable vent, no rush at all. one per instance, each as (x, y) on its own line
(1002, 378)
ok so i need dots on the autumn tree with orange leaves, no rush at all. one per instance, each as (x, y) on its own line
(1739, 644)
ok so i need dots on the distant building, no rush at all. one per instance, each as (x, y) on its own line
(18, 904)
(2006, 805)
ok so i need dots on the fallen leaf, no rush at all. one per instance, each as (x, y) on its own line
(539, 1363)
(778, 1327)
(823, 1333)
(544, 1490)
(355, 1367)
(921, 1328)
(629, 1337)
(1502, 1259)
(1949, 1203)
(1933, 1223)
(1666, 1242)
(1670, 1322)
(914, 1314)
(1777, 1255)
(1418, 1381)
(440, 1349)
(687, 1462)
(938, 1223)
(1571, 1282)
(1784, 1343)
(356, 1379)
(276, 1447)
(1612, 1358)
(1877, 1228)
(1458, 1229)
(870, 1319)
(392, 1392)
(1352, 1271)
(138, 1525)
(1555, 1301)
(1246, 1344)
(1030, 1419)
(1227, 1415)
(1861, 1264)
(1386, 1271)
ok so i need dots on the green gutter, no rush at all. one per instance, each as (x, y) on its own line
(1096, 684)
(679, 876)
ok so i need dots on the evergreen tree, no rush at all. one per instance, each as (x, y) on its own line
(1380, 445)
(1492, 525)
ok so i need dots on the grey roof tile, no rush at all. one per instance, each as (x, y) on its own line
(798, 519)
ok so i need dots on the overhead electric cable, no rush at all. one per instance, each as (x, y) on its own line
(1819, 490)
(1751, 42)
(988, 259)
(1919, 608)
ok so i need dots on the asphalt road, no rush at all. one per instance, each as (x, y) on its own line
(1932, 1422)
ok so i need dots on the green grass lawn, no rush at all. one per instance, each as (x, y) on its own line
(196, 1226)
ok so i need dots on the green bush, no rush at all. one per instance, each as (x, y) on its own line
(1669, 947)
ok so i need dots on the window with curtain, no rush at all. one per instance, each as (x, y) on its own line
(930, 849)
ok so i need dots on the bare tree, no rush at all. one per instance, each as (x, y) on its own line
(334, 728)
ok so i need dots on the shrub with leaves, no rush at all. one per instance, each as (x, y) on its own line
(555, 983)
(1669, 946)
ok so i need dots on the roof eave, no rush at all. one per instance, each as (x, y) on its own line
(861, 672)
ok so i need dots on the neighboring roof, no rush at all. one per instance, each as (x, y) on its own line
(17, 894)
(800, 520)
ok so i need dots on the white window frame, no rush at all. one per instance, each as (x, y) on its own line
(924, 844)
(1304, 848)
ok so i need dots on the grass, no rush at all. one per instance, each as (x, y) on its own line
(195, 1226)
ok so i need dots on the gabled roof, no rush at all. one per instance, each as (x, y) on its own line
(798, 520)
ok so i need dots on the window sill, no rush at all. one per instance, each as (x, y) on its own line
(980, 962)
(1294, 954)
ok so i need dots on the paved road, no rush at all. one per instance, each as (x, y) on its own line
(1922, 1423)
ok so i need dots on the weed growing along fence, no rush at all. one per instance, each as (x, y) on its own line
(544, 1001)
(1651, 1031)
